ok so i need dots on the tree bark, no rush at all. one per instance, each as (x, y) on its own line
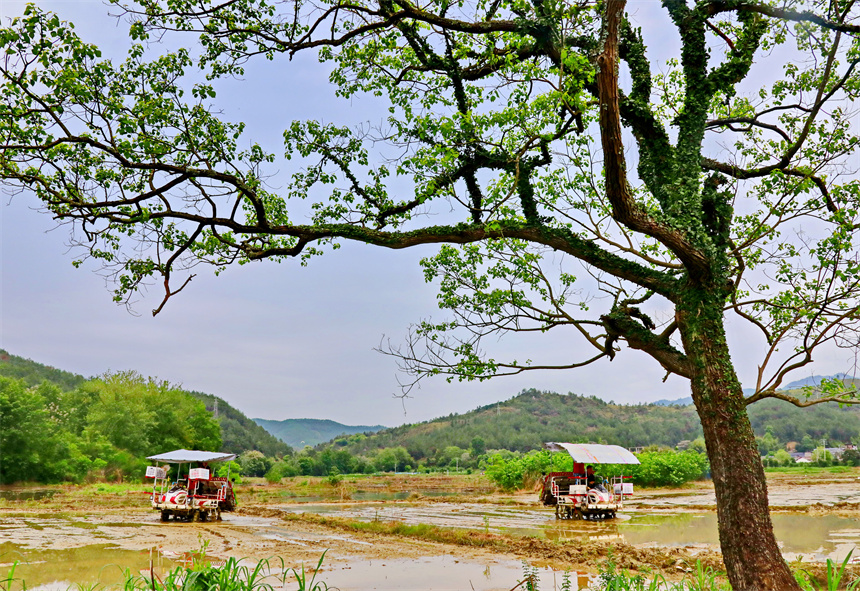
(750, 552)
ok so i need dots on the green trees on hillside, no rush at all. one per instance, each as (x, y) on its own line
(146, 417)
(31, 446)
(787, 423)
(529, 419)
(104, 428)
(106, 425)
(34, 373)
(526, 421)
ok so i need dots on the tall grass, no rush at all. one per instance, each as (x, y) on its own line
(702, 578)
(834, 573)
(6, 582)
(235, 574)
(705, 578)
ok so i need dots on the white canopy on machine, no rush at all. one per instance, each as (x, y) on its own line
(183, 456)
(593, 453)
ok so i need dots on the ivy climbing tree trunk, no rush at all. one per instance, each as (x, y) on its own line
(750, 551)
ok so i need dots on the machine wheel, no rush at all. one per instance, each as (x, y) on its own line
(165, 515)
(196, 516)
(577, 514)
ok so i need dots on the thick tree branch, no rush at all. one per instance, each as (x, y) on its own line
(739, 173)
(719, 6)
(559, 239)
(624, 208)
(797, 401)
(628, 322)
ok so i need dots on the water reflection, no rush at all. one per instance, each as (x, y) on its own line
(101, 564)
(27, 494)
(441, 572)
(815, 537)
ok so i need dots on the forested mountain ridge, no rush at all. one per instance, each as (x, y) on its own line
(533, 417)
(238, 432)
(301, 432)
(34, 373)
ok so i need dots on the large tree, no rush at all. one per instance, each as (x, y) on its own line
(743, 201)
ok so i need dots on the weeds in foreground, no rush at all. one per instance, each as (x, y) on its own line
(611, 579)
(230, 576)
(703, 578)
(302, 580)
(202, 575)
(835, 573)
(6, 582)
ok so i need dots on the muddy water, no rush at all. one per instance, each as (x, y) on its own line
(29, 494)
(105, 565)
(63, 545)
(778, 496)
(814, 537)
(362, 495)
(58, 570)
(441, 572)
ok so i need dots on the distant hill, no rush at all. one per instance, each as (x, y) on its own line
(795, 385)
(533, 417)
(678, 402)
(238, 432)
(815, 380)
(301, 432)
(33, 373)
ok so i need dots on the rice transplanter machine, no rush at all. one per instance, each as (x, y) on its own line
(575, 495)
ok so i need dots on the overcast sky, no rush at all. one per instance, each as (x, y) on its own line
(280, 341)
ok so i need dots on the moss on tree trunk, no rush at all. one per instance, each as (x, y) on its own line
(750, 551)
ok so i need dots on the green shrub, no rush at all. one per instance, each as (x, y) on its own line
(669, 468)
(513, 471)
(657, 468)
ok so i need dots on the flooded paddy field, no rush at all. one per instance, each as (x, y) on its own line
(86, 537)
(801, 535)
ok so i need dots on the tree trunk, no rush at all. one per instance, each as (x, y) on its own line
(750, 552)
